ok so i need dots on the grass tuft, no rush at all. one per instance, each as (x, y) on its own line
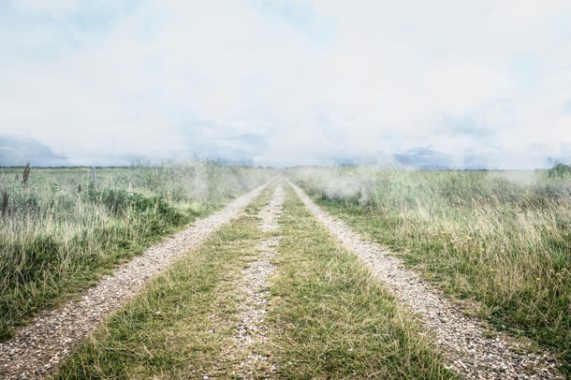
(5, 201)
(26, 174)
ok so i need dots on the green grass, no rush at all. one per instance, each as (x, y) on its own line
(327, 316)
(65, 228)
(179, 326)
(500, 243)
(332, 319)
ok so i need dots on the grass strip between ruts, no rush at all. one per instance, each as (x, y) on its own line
(332, 319)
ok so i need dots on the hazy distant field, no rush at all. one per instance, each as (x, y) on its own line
(498, 241)
(64, 227)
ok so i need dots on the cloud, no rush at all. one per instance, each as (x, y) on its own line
(289, 82)
(19, 151)
(424, 158)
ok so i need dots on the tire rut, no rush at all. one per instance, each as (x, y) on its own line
(35, 350)
(463, 340)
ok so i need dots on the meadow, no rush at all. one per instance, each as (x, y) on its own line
(62, 229)
(499, 243)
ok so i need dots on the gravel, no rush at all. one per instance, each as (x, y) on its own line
(251, 330)
(39, 347)
(463, 340)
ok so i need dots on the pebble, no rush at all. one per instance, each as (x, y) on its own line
(251, 329)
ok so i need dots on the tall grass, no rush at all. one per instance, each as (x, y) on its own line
(62, 228)
(500, 241)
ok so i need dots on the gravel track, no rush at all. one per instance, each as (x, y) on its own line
(251, 330)
(463, 340)
(39, 347)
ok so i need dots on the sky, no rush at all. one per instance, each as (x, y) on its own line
(442, 83)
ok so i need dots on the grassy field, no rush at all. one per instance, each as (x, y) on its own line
(498, 242)
(327, 316)
(61, 229)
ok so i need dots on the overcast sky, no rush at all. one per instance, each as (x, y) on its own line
(473, 83)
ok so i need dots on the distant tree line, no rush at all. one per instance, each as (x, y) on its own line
(560, 170)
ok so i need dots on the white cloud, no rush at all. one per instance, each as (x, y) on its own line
(315, 81)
